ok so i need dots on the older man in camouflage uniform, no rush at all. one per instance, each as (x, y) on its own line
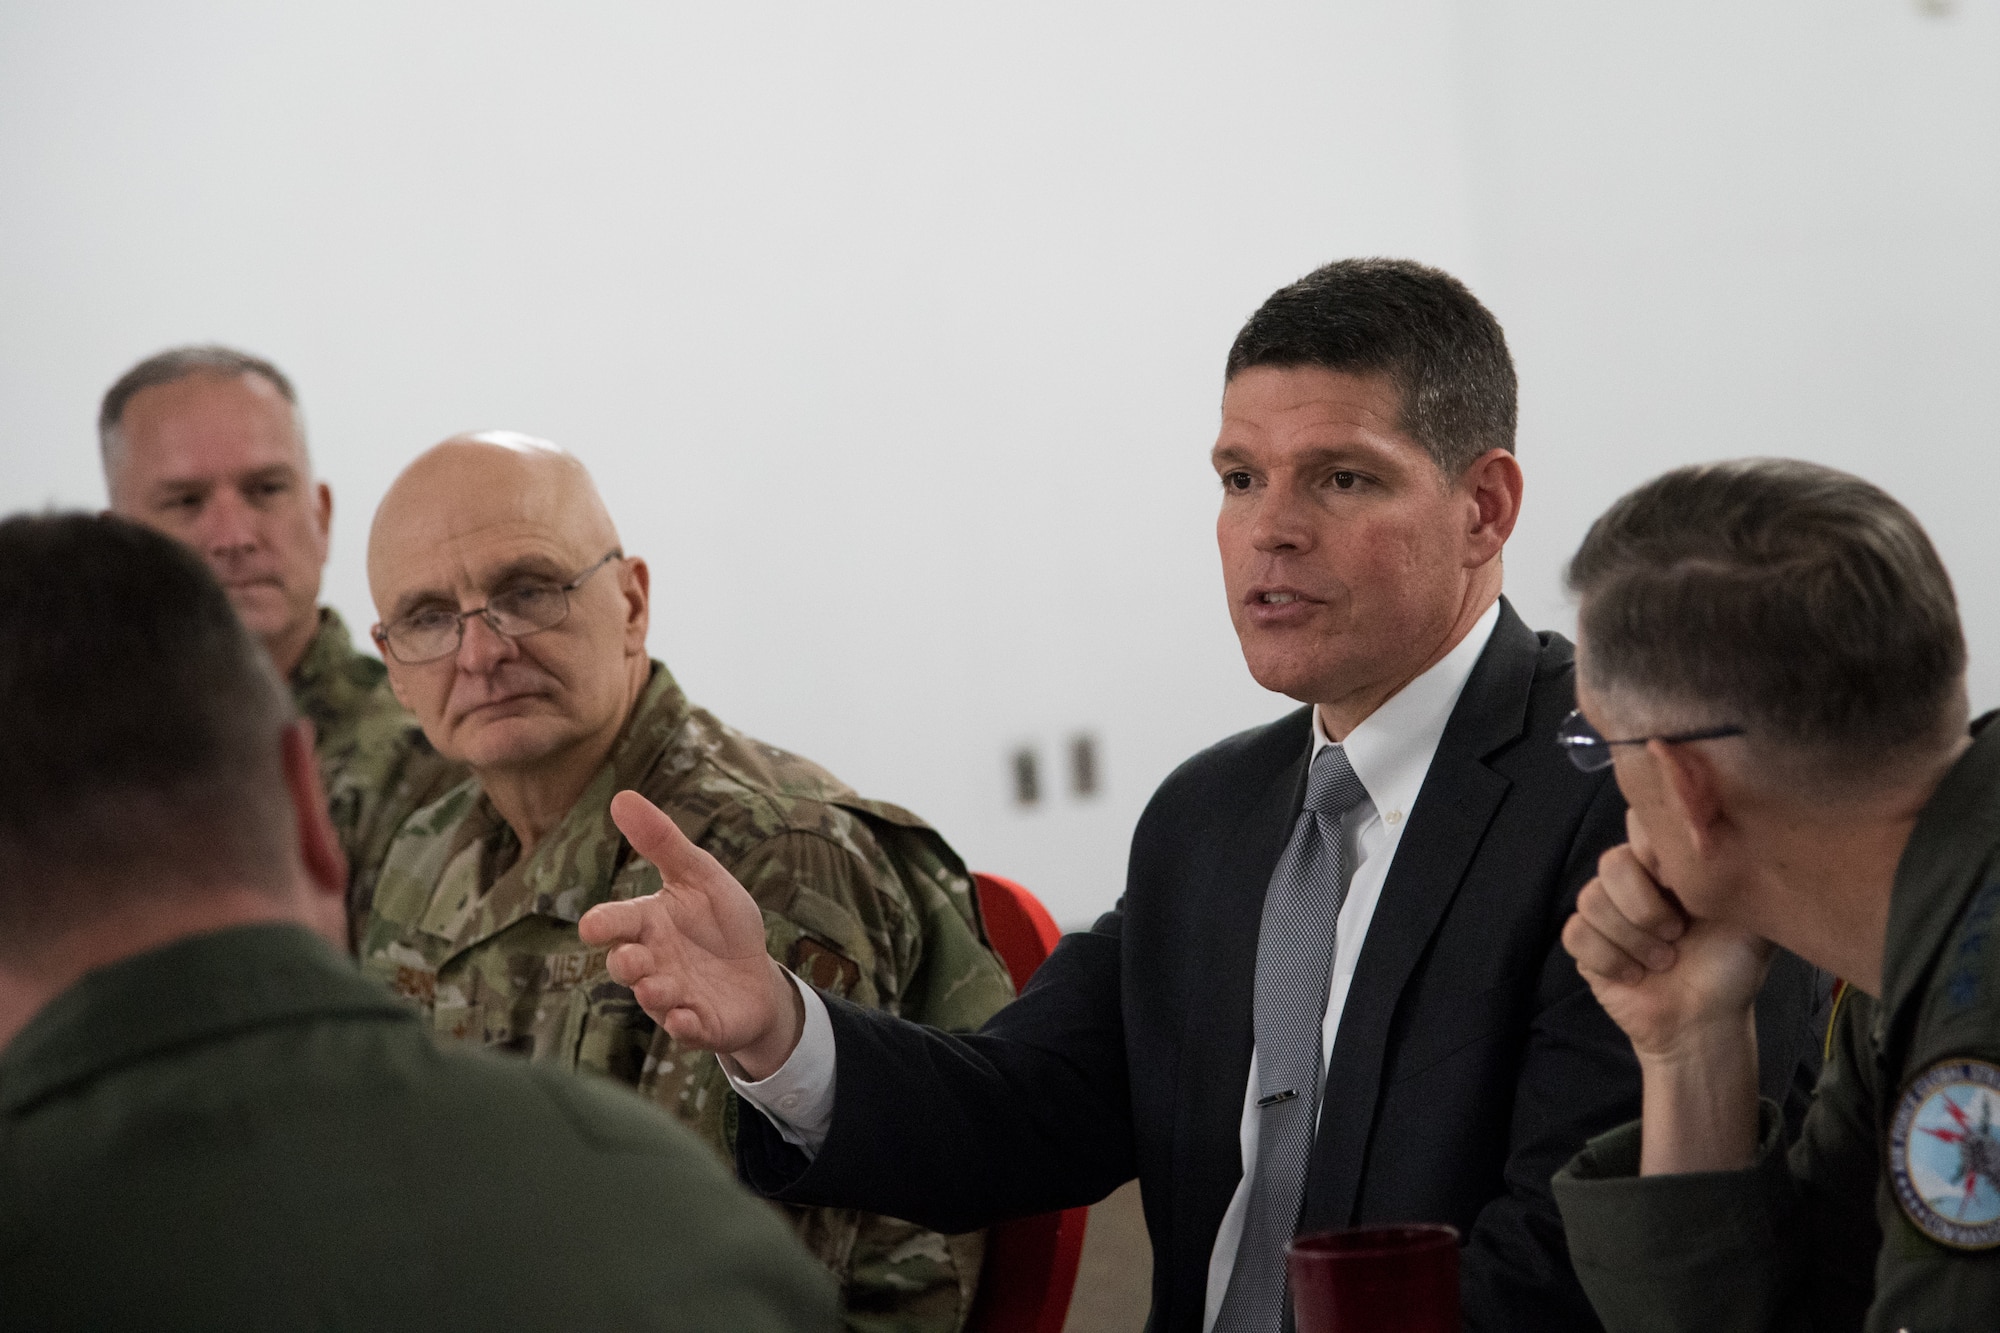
(514, 628)
(205, 445)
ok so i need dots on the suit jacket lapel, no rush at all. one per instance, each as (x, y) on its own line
(1458, 799)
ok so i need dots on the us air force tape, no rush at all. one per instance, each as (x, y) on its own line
(1944, 1154)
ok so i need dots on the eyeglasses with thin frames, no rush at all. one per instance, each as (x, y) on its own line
(1592, 752)
(526, 608)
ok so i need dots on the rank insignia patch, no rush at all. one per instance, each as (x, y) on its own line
(1944, 1154)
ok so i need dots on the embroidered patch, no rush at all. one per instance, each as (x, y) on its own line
(415, 984)
(564, 971)
(820, 966)
(1968, 959)
(1944, 1154)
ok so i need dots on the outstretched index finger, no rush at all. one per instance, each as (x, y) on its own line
(660, 841)
(654, 836)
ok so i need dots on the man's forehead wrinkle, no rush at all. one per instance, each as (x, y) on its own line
(1290, 390)
(1318, 415)
(1321, 413)
(1309, 444)
(470, 564)
(193, 461)
(180, 417)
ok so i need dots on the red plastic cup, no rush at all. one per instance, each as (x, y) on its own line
(1375, 1280)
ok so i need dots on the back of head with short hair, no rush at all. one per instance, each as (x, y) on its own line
(1796, 601)
(1418, 326)
(171, 366)
(140, 732)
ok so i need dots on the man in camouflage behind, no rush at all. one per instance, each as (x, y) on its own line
(205, 444)
(515, 629)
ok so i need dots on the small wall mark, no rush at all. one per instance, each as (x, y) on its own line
(1027, 776)
(1083, 774)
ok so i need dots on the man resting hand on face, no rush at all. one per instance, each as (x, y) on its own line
(1772, 664)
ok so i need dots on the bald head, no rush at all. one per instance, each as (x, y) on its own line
(485, 536)
(490, 481)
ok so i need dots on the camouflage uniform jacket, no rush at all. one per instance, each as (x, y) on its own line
(859, 898)
(373, 759)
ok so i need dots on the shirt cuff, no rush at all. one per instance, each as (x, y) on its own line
(798, 1098)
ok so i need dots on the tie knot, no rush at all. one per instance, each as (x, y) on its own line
(1332, 788)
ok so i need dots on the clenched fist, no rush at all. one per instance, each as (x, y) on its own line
(1685, 992)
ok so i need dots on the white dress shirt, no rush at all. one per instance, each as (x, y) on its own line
(1391, 751)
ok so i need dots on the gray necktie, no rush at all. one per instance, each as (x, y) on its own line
(1294, 967)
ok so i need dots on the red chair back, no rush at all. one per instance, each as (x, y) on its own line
(1030, 1263)
(1022, 931)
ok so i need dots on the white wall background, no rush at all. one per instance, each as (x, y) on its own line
(893, 331)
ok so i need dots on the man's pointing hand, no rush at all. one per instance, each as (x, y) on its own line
(693, 953)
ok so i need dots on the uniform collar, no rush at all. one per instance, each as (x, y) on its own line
(1391, 748)
(572, 868)
(191, 991)
(1949, 856)
(330, 650)
(662, 710)
(332, 678)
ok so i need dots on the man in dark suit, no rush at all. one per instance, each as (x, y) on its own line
(1333, 993)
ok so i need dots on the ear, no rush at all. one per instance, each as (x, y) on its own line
(324, 906)
(1493, 484)
(323, 510)
(635, 585)
(1694, 793)
(382, 647)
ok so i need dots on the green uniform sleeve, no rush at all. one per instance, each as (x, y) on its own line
(1661, 1254)
(1789, 1244)
(957, 981)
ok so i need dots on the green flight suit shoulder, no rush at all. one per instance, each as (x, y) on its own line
(1940, 1134)
(237, 1132)
(861, 900)
(374, 761)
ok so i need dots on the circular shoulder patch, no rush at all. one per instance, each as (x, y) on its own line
(1944, 1154)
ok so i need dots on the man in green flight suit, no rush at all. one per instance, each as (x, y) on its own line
(205, 444)
(208, 1119)
(514, 627)
(1770, 653)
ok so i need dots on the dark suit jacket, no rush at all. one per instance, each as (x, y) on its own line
(1471, 1060)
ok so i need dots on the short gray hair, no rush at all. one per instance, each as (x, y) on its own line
(1796, 601)
(171, 366)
